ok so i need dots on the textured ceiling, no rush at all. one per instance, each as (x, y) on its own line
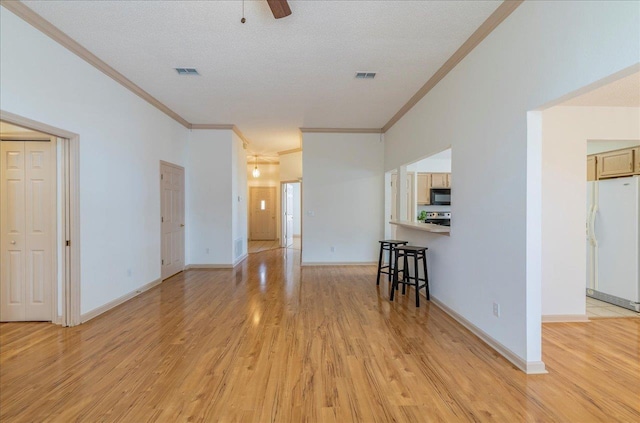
(624, 92)
(270, 77)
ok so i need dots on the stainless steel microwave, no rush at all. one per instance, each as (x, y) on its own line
(440, 196)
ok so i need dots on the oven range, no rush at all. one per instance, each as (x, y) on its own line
(439, 218)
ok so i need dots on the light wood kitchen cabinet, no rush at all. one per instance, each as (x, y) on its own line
(424, 187)
(636, 157)
(615, 163)
(439, 180)
(592, 170)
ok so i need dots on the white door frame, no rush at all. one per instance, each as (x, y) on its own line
(283, 222)
(67, 159)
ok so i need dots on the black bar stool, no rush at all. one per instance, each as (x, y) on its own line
(387, 245)
(418, 253)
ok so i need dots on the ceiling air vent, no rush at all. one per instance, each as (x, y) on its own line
(365, 75)
(187, 71)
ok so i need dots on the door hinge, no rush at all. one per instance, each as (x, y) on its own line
(68, 243)
(161, 176)
(162, 219)
(163, 262)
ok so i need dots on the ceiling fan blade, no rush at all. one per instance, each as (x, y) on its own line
(279, 8)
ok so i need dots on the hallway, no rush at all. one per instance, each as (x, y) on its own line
(269, 341)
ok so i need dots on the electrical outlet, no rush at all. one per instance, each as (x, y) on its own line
(496, 309)
(333, 249)
(206, 250)
(129, 272)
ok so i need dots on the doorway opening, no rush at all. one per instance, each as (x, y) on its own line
(39, 222)
(587, 145)
(291, 194)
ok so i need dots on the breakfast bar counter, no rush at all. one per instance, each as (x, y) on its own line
(426, 227)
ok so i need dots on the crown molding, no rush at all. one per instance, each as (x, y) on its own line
(28, 15)
(231, 127)
(212, 126)
(295, 150)
(500, 14)
(25, 13)
(342, 130)
(245, 141)
(260, 162)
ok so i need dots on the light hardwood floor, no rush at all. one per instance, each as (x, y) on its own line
(270, 342)
(260, 246)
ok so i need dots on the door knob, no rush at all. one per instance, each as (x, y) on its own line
(182, 225)
(13, 242)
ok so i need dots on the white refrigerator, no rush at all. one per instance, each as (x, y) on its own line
(613, 241)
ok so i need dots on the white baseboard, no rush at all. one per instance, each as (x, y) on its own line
(529, 367)
(240, 259)
(339, 263)
(208, 266)
(564, 318)
(111, 304)
(216, 266)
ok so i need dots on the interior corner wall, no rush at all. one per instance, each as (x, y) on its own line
(239, 199)
(342, 198)
(541, 52)
(597, 146)
(122, 140)
(564, 149)
(297, 211)
(210, 189)
(291, 166)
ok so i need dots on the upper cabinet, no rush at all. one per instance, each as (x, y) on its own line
(592, 170)
(424, 185)
(439, 180)
(426, 181)
(615, 163)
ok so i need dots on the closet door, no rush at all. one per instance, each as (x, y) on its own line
(26, 223)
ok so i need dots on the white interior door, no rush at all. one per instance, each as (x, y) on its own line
(263, 213)
(27, 229)
(172, 219)
(288, 214)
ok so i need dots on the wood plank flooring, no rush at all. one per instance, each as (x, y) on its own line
(270, 342)
(260, 246)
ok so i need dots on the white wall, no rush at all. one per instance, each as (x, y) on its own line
(122, 140)
(210, 189)
(431, 166)
(291, 166)
(564, 141)
(239, 194)
(601, 146)
(342, 197)
(543, 51)
(297, 211)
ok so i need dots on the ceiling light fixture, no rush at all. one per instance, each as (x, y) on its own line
(256, 171)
